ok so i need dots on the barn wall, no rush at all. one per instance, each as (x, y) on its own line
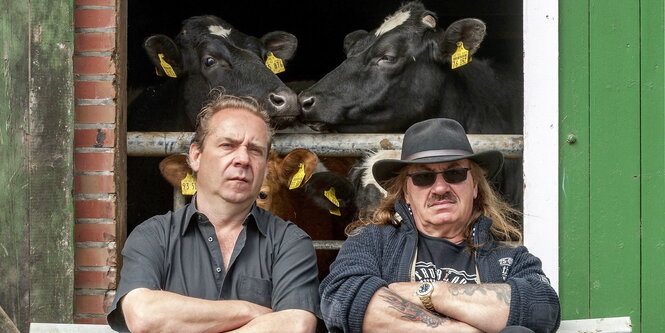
(99, 154)
(36, 135)
(612, 160)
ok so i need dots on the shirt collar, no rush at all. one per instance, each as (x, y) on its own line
(254, 213)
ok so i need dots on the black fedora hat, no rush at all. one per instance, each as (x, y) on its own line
(434, 141)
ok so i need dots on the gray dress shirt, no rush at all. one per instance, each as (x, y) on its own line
(273, 263)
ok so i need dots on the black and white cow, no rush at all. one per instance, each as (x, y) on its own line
(402, 72)
(207, 53)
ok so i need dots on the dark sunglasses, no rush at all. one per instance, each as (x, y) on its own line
(451, 176)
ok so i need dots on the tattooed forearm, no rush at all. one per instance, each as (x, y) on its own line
(413, 312)
(502, 291)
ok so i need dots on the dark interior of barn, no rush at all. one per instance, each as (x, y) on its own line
(320, 27)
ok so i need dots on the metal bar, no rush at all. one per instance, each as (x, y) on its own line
(167, 143)
(327, 244)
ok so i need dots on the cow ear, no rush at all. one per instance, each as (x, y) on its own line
(352, 38)
(290, 166)
(469, 31)
(174, 169)
(330, 191)
(165, 55)
(282, 44)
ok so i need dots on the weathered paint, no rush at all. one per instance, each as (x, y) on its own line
(541, 125)
(613, 175)
(652, 146)
(574, 159)
(36, 154)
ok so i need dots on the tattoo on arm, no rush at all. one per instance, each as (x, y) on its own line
(413, 312)
(502, 291)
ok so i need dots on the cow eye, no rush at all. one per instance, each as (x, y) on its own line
(387, 60)
(209, 61)
(263, 195)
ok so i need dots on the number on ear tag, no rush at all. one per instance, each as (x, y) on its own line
(275, 64)
(460, 57)
(188, 185)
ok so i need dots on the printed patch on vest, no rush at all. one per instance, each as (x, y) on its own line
(505, 264)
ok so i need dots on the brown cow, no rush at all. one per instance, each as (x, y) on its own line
(295, 191)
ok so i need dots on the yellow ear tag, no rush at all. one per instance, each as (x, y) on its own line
(275, 64)
(165, 66)
(296, 181)
(188, 185)
(330, 195)
(460, 57)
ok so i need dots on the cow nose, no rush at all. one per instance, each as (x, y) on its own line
(283, 100)
(306, 102)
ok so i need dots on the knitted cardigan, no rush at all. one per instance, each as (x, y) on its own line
(380, 255)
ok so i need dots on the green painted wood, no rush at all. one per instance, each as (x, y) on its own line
(614, 125)
(574, 255)
(653, 164)
(51, 161)
(14, 200)
(36, 157)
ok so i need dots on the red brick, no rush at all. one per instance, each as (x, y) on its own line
(94, 18)
(94, 89)
(94, 257)
(94, 280)
(93, 161)
(94, 138)
(87, 320)
(93, 65)
(93, 184)
(94, 232)
(94, 41)
(110, 3)
(90, 304)
(95, 114)
(94, 209)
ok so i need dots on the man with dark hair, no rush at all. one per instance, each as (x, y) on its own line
(439, 253)
(220, 263)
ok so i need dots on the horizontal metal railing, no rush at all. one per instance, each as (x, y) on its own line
(336, 145)
(167, 143)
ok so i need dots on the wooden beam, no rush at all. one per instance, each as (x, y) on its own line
(6, 324)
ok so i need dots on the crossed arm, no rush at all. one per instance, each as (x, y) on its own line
(459, 308)
(148, 310)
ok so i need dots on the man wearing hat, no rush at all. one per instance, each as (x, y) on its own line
(439, 254)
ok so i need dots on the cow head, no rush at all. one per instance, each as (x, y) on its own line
(208, 53)
(292, 190)
(392, 76)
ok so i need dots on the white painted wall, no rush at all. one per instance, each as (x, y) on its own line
(541, 133)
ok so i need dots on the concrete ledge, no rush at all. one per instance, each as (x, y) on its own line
(597, 325)
(69, 328)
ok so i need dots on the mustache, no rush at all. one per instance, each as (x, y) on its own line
(440, 197)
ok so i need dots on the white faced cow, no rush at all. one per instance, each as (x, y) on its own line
(402, 72)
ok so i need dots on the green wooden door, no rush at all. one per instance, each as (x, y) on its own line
(612, 195)
(36, 156)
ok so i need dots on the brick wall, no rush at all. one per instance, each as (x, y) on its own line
(98, 155)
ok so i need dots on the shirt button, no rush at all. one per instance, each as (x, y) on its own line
(209, 239)
(219, 269)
